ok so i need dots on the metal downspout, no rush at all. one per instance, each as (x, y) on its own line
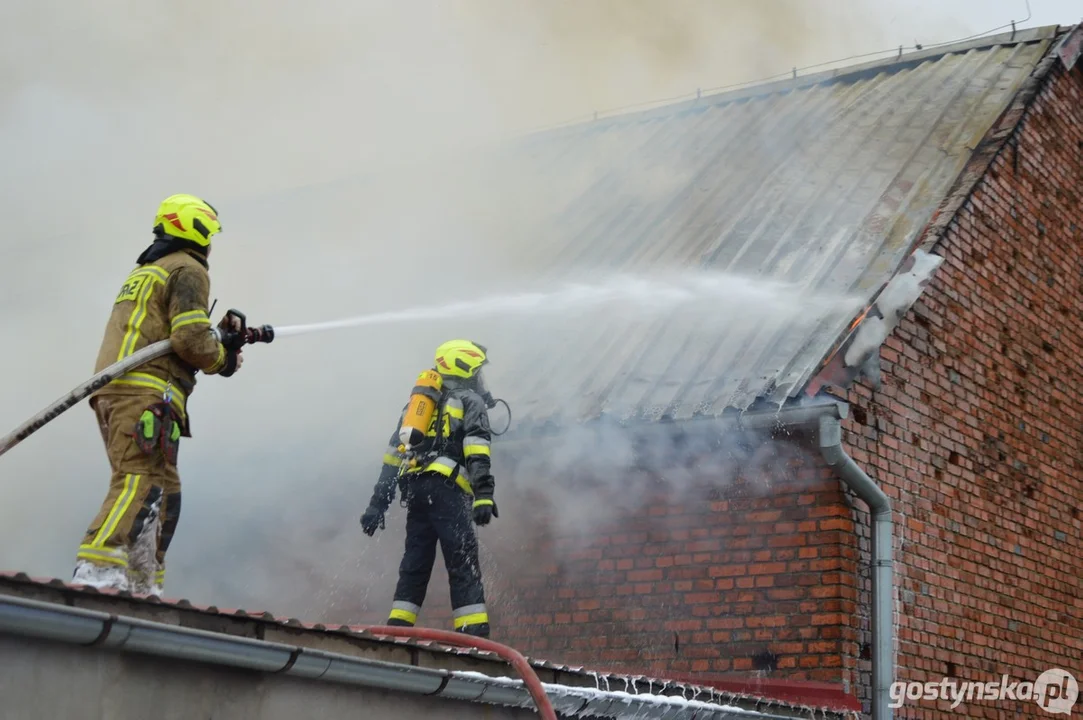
(880, 509)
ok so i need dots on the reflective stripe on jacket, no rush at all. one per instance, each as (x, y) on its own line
(165, 299)
(463, 454)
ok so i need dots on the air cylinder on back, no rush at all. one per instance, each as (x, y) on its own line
(421, 409)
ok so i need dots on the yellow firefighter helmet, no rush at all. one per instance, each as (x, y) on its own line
(460, 358)
(188, 217)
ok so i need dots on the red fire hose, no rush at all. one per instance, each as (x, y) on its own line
(512, 656)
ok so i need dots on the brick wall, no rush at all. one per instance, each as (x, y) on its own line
(976, 432)
(737, 572)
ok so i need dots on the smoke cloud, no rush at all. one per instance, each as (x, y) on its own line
(107, 107)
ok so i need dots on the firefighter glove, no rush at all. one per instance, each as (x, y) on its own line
(484, 510)
(372, 519)
(233, 339)
(232, 326)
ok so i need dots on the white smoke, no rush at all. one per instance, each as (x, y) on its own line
(107, 107)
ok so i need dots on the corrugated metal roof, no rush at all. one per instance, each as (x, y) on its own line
(825, 182)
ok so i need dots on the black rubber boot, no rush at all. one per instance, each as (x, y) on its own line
(480, 630)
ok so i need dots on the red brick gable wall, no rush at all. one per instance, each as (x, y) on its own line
(977, 432)
(727, 577)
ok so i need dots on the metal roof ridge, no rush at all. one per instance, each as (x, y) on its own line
(510, 140)
(1018, 37)
(775, 87)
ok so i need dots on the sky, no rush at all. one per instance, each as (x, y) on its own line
(107, 107)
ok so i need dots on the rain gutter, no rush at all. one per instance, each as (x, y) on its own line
(90, 628)
(753, 419)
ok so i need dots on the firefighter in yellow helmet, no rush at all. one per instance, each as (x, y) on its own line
(143, 414)
(446, 490)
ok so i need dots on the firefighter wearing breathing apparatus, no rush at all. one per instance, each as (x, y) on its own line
(439, 459)
(143, 414)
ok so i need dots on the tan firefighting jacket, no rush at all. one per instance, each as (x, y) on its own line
(167, 298)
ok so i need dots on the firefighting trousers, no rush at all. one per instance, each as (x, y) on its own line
(438, 511)
(143, 503)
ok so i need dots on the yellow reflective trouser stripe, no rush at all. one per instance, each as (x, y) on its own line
(475, 619)
(403, 614)
(406, 615)
(470, 615)
(103, 555)
(469, 609)
(474, 445)
(192, 317)
(120, 506)
(139, 379)
(139, 314)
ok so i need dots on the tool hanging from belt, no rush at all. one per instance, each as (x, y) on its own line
(159, 428)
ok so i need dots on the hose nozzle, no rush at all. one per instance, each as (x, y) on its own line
(246, 335)
(263, 333)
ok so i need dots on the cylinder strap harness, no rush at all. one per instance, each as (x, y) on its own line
(431, 449)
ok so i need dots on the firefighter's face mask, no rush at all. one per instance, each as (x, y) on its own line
(487, 397)
(483, 390)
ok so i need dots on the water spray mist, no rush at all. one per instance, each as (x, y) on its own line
(624, 291)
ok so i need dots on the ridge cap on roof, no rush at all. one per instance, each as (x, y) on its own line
(755, 89)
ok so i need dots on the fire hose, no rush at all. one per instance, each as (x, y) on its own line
(248, 336)
(510, 655)
(264, 333)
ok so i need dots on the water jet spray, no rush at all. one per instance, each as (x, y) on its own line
(622, 291)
